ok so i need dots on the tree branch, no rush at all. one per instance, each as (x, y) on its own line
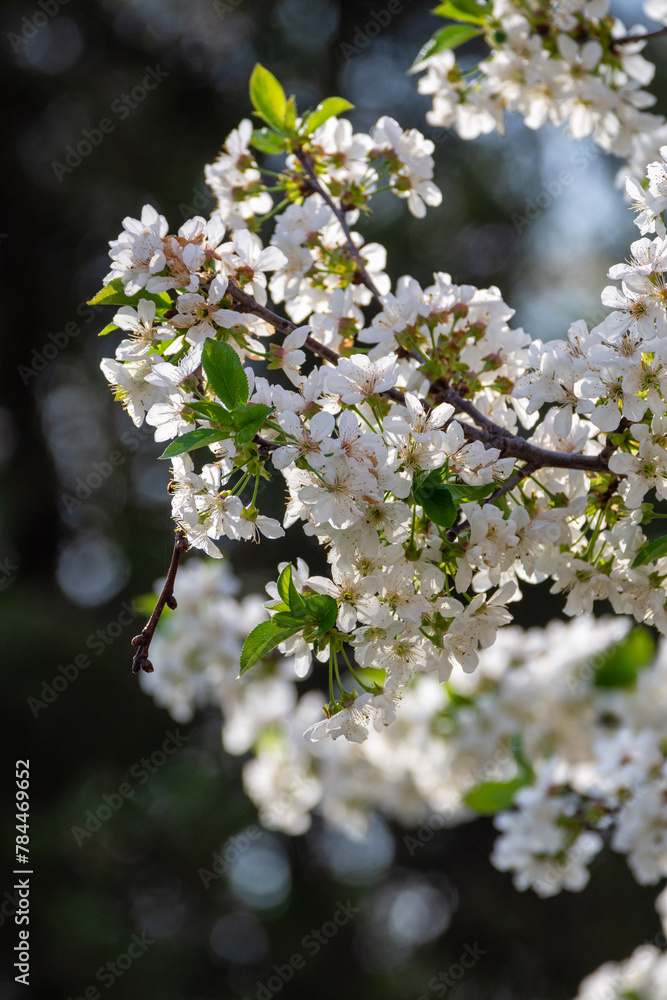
(491, 435)
(305, 162)
(511, 445)
(145, 637)
(628, 39)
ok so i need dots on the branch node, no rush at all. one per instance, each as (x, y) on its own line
(143, 641)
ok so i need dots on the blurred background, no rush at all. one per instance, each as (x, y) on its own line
(81, 533)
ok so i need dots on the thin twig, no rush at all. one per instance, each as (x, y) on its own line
(144, 639)
(307, 165)
(450, 395)
(628, 39)
(264, 445)
(491, 435)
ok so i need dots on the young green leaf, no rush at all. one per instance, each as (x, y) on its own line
(285, 619)
(464, 10)
(619, 665)
(290, 114)
(262, 640)
(492, 796)
(192, 440)
(290, 594)
(447, 38)
(295, 600)
(462, 492)
(109, 328)
(225, 373)
(325, 110)
(267, 141)
(436, 503)
(651, 551)
(212, 411)
(268, 97)
(114, 294)
(248, 420)
(284, 581)
(324, 610)
(519, 754)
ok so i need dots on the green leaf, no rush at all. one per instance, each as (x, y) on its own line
(267, 141)
(437, 503)
(325, 110)
(192, 440)
(325, 611)
(290, 114)
(464, 10)
(268, 97)
(212, 411)
(285, 619)
(262, 640)
(114, 294)
(284, 581)
(248, 420)
(492, 796)
(651, 551)
(620, 665)
(462, 492)
(447, 38)
(290, 595)
(519, 754)
(225, 373)
(109, 328)
(295, 600)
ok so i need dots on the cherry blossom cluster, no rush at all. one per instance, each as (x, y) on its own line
(396, 419)
(642, 976)
(560, 733)
(562, 61)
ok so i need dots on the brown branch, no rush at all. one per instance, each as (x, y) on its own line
(491, 435)
(317, 185)
(145, 637)
(628, 39)
(264, 445)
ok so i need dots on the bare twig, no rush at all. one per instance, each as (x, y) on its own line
(491, 435)
(317, 185)
(145, 637)
(628, 39)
